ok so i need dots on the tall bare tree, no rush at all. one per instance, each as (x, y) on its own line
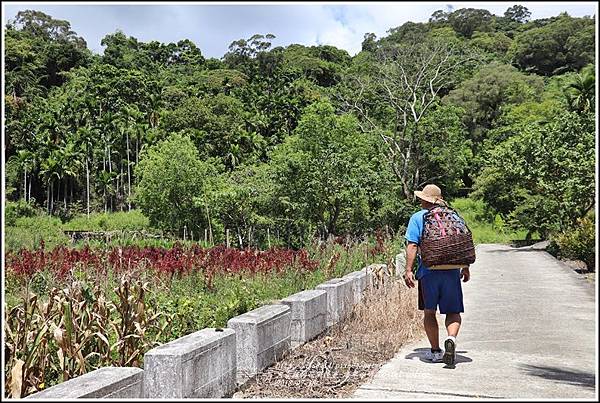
(393, 96)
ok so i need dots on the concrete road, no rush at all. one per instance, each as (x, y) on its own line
(528, 332)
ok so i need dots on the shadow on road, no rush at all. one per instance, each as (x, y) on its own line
(573, 377)
(420, 354)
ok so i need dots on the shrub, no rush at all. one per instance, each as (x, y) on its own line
(578, 243)
(66, 213)
(171, 175)
(20, 208)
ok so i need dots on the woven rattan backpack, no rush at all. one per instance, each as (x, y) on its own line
(446, 242)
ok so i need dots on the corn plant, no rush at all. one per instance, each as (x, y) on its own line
(82, 330)
(26, 345)
(77, 330)
(138, 326)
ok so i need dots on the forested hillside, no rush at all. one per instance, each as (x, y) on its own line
(306, 141)
(151, 192)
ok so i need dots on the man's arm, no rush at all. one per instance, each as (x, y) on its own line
(411, 255)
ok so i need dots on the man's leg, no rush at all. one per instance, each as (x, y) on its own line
(453, 321)
(431, 328)
(429, 295)
(451, 305)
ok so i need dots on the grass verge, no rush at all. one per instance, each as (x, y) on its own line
(347, 354)
(485, 227)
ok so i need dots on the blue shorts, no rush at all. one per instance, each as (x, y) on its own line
(443, 288)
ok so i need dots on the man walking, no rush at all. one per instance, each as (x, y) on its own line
(436, 287)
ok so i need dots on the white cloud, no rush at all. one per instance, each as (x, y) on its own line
(375, 18)
(380, 17)
(214, 27)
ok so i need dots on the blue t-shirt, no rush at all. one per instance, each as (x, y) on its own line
(413, 234)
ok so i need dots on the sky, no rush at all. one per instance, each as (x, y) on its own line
(212, 26)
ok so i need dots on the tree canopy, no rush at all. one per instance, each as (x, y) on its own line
(305, 140)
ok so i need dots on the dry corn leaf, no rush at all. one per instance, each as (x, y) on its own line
(58, 336)
(103, 338)
(16, 378)
(61, 359)
(132, 357)
(81, 361)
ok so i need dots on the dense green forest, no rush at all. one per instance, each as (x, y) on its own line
(302, 141)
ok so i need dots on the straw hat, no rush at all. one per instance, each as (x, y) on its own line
(430, 193)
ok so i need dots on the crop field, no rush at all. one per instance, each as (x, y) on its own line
(70, 310)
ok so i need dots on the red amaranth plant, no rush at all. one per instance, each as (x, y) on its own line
(178, 260)
(379, 247)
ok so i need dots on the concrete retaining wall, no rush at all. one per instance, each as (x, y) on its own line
(339, 298)
(262, 337)
(308, 310)
(400, 264)
(199, 365)
(105, 382)
(359, 284)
